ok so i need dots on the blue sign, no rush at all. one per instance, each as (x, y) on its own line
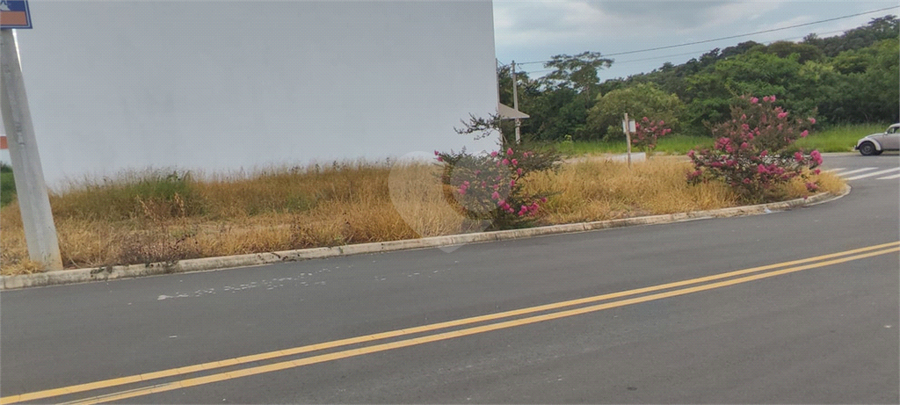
(14, 14)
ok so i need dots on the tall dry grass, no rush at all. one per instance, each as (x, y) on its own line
(158, 216)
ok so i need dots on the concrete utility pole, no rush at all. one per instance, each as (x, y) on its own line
(31, 190)
(516, 103)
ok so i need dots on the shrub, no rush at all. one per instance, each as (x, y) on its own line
(7, 185)
(491, 186)
(648, 132)
(754, 154)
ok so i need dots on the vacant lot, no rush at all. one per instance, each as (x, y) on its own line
(150, 217)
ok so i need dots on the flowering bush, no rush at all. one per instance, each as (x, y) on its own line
(754, 152)
(491, 186)
(648, 132)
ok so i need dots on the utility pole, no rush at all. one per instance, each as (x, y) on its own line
(516, 103)
(31, 190)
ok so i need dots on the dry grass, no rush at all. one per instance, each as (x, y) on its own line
(151, 217)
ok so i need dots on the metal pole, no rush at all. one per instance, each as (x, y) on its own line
(31, 190)
(516, 103)
(628, 138)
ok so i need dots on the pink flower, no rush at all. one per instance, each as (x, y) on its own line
(440, 159)
(691, 154)
(509, 151)
(761, 169)
(436, 153)
(812, 120)
(512, 183)
(515, 162)
(505, 162)
(782, 114)
(519, 171)
(754, 100)
(495, 196)
(743, 117)
(543, 199)
(817, 171)
(462, 191)
(746, 181)
(772, 98)
(661, 122)
(745, 145)
(798, 156)
(763, 153)
(816, 156)
(494, 154)
(804, 134)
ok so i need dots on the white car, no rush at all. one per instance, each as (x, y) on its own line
(876, 143)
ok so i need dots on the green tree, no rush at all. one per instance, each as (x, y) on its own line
(578, 71)
(640, 100)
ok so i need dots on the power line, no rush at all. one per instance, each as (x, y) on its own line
(682, 54)
(694, 53)
(733, 36)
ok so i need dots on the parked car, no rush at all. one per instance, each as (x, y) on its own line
(876, 143)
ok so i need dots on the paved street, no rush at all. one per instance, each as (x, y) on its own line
(789, 307)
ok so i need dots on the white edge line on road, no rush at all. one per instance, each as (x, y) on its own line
(896, 176)
(857, 171)
(870, 174)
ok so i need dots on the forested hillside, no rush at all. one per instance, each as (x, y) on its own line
(849, 78)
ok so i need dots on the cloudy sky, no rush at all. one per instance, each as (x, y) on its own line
(535, 30)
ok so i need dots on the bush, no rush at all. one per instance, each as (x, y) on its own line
(491, 186)
(754, 152)
(648, 132)
(7, 185)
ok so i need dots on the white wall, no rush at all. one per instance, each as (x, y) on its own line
(222, 85)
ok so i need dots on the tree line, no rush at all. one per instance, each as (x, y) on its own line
(848, 78)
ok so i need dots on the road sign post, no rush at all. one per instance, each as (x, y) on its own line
(628, 126)
(31, 190)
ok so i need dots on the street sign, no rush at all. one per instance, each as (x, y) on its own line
(14, 14)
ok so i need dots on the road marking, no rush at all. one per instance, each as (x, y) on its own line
(880, 172)
(836, 169)
(191, 382)
(857, 171)
(896, 176)
(173, 372)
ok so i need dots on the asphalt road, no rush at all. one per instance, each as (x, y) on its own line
(823, 330)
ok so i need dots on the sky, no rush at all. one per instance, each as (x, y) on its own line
(533, 30)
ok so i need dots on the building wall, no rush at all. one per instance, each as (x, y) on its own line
(228, 85)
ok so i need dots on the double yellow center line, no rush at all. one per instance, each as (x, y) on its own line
(536, 312)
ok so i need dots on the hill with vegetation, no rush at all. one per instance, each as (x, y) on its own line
(846, 79)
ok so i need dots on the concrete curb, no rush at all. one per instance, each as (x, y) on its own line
(224, 262)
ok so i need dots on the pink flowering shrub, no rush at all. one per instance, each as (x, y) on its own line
(648, 132)
(492, 186)
(754, 151)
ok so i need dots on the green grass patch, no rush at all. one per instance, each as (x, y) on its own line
(839, 138)
(7, 185)
(675, 144)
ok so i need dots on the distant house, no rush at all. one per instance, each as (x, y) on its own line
(223, 86)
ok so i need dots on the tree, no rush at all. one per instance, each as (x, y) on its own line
(578, 71)
(640, 100)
